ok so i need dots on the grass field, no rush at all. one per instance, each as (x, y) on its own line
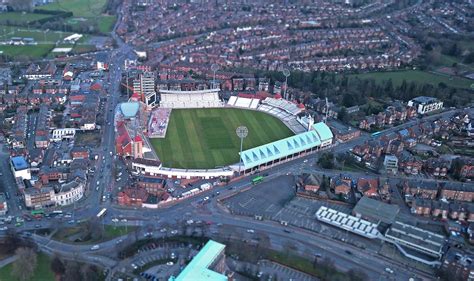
(205, 138)
(84, 10)
(21, 18)
(36, 51)
(79, 8)
(7, 32)
(69, 234)
(416, 76)
(42, 272)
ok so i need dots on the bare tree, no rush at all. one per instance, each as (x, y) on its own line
(89, 272)
(25, 265)
(57, 266)
(21, 5)
(73, 272)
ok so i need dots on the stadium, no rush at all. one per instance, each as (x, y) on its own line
(193, 134)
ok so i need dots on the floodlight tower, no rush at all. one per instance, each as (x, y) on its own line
(214, 68)
(242, 132)
(286, 73)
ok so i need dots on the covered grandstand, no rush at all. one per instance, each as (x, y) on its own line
(243, 102)
(284, 110)
(190, 99)
(286, 149)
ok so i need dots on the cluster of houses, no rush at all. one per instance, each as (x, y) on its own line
(292, 39)
(42, 117)
(343, 186)
(414, 148)
(446, 200)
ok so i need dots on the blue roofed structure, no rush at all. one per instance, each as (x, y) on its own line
(323, 131)
(19, 163)
(287, 148)
(129, 109)
(211, 255)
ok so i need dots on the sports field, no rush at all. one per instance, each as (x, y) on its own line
(205, 138)
(416, 76)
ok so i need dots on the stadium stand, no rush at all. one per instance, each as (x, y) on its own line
(285, 105)
(318, 137)
(243, 102)
(158, 123)
(285, 111)
(190, 99)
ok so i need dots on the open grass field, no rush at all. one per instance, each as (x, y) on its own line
(88, 11)
(36, 51)
(7, 32)
(42, 272)
(21, 18)
(205, 138)
(416, 76)
(79, 8)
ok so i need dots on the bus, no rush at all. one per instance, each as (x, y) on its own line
(37, 212)
(102, 213)
(376, 134)
(257, 180)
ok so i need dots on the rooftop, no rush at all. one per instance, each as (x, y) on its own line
(197, 269)
(281, 148)
(19, 163)
(416, 238)
(129, 109)
(425, 99)
(376, 210)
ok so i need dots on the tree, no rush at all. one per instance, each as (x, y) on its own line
(456, 166)
(57, 266)
(89, 272)
(94, 230)
(343, 115)
(357, 275)
(326, 160)
(21, 5)
(73, 272)
(25, 265)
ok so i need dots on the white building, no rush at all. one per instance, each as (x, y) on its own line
(145, 86)
(391, 164)
(64, 133)
(20, 168)
(38, 198)
(425, 104)
(69, 193)
(190, 99)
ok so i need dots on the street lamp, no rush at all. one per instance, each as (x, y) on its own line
(242, 132)
(214, 68)
(286, 73)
